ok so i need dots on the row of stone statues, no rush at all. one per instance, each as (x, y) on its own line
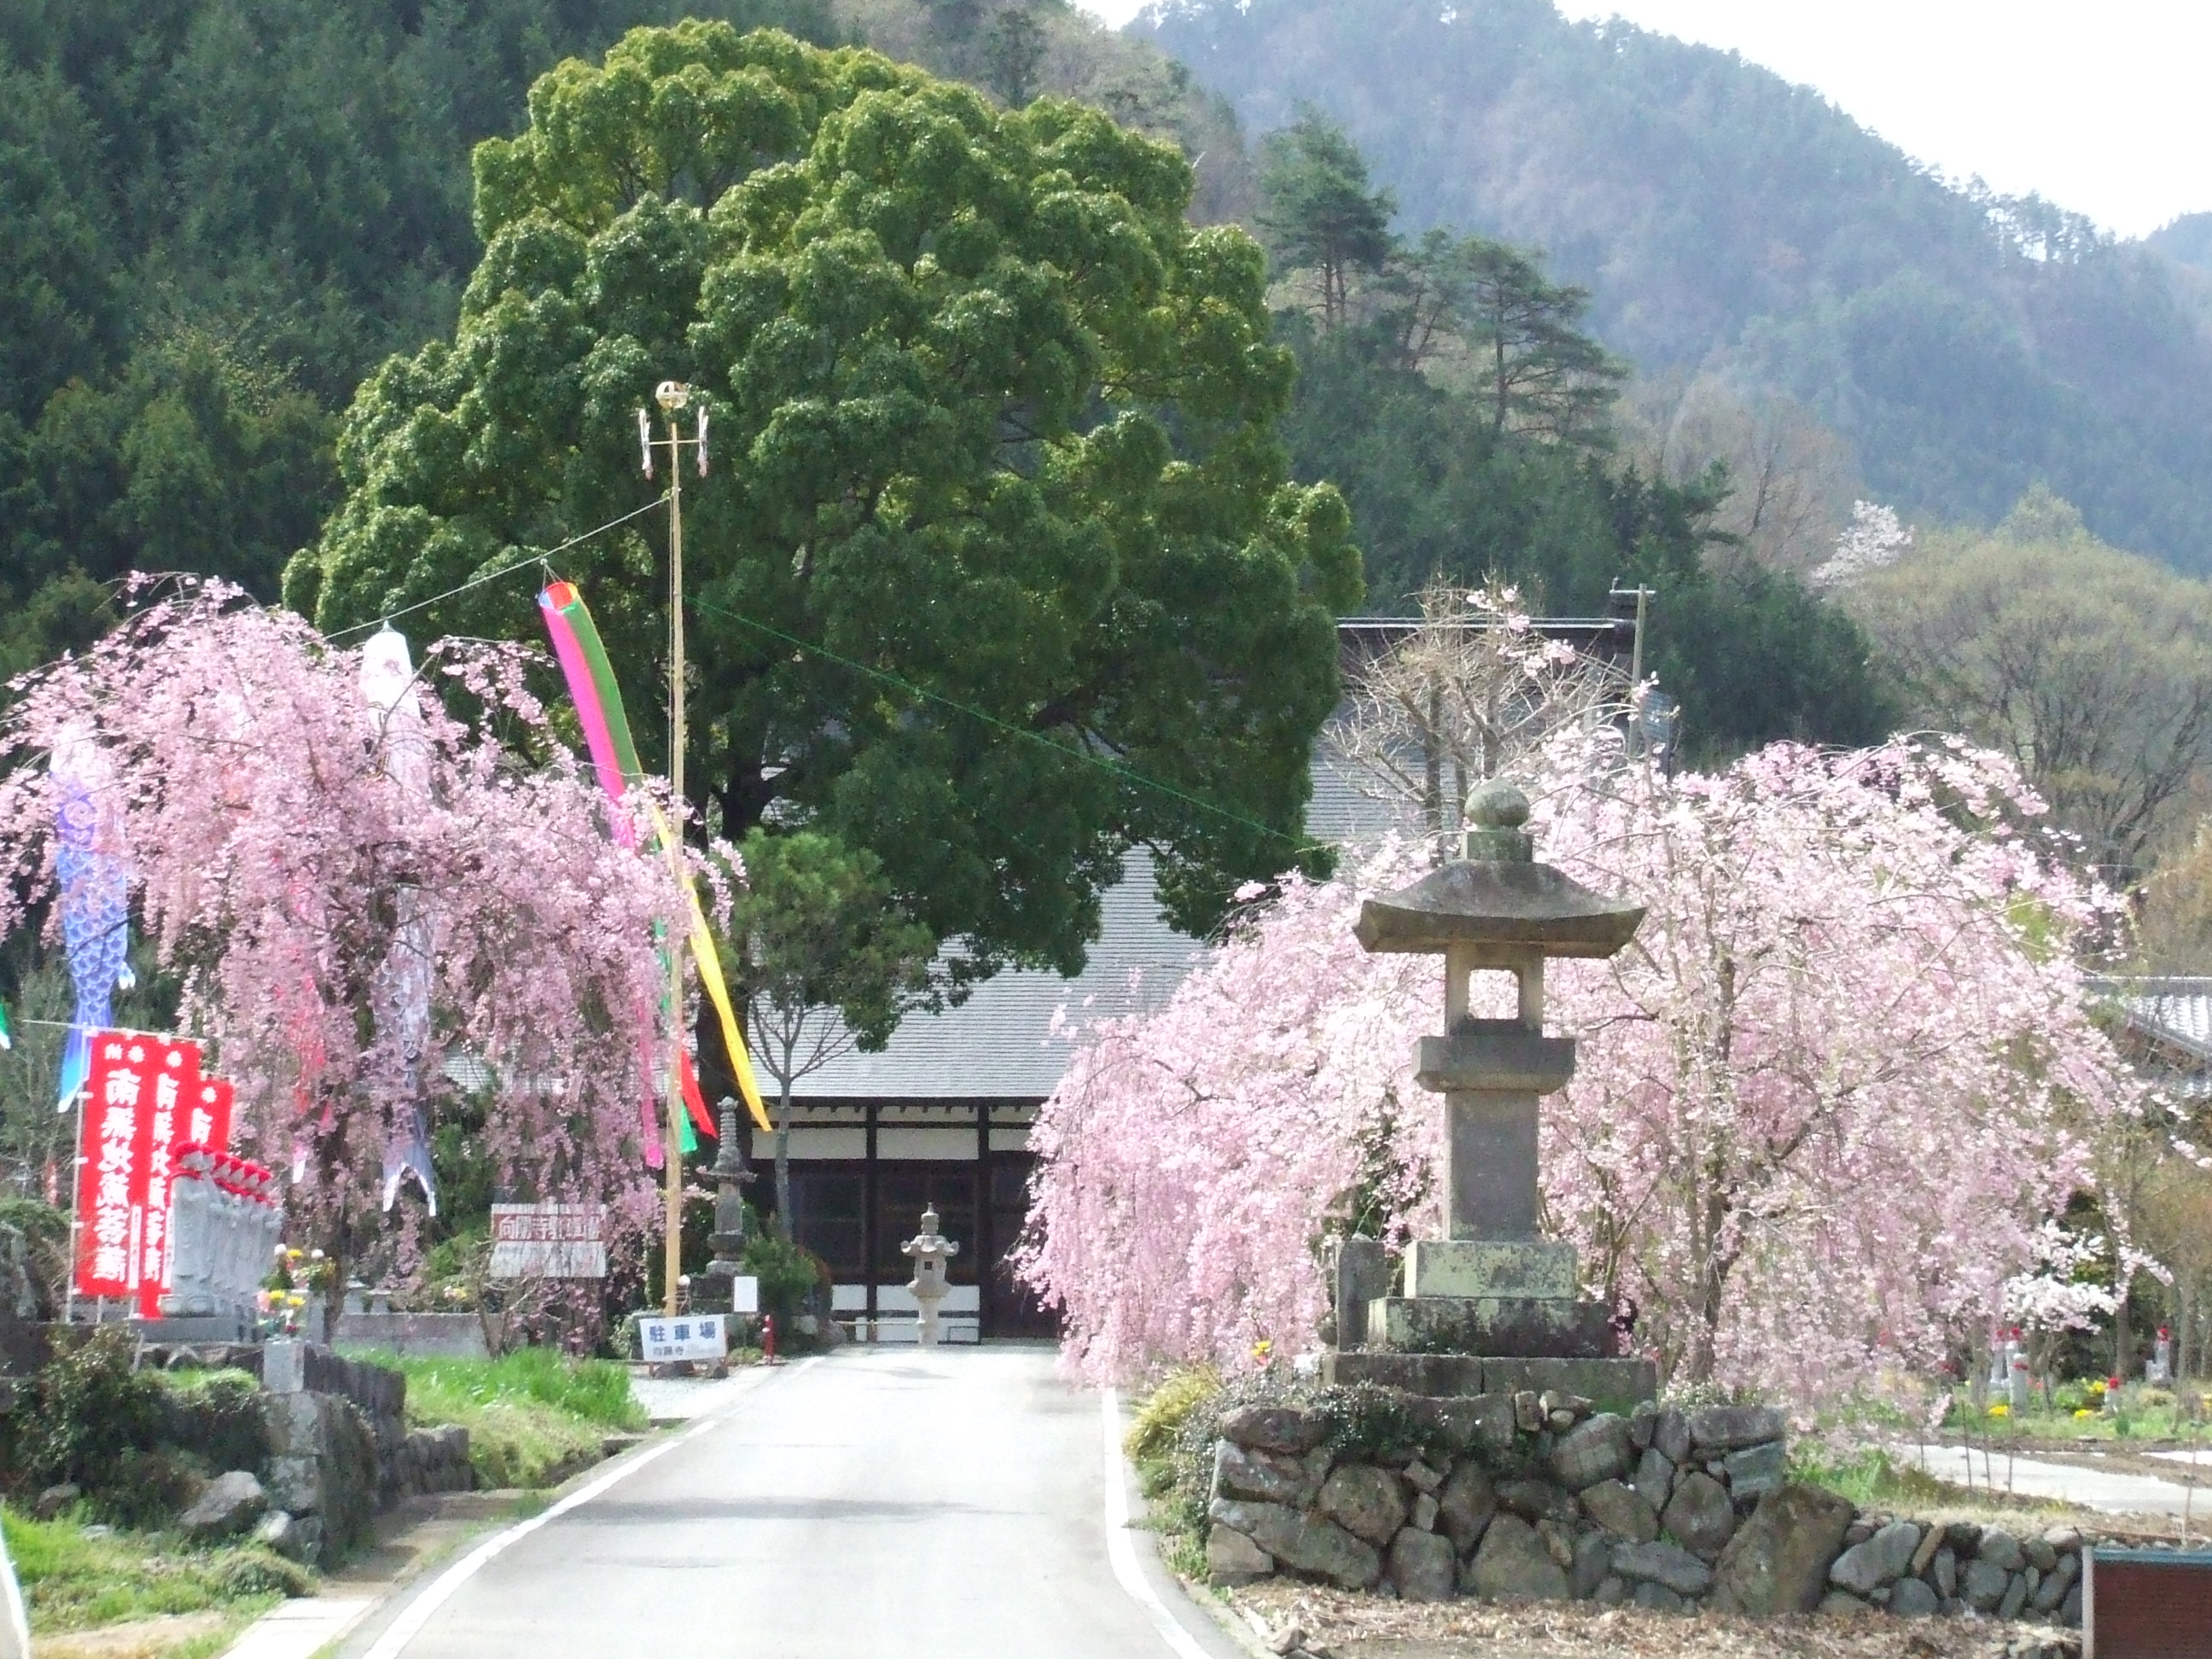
(225, 1224)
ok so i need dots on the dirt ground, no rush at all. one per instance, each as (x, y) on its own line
(138, 1639)
(1366, 1627)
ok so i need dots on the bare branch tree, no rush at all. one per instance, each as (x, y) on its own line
(1472, 688)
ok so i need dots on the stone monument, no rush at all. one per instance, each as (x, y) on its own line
(1491, 1306)
(732, 1177)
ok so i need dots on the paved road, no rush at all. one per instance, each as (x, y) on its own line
(2109, 1490)
(879, 1503)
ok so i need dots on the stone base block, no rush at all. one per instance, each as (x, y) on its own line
(1551, 1327)
(1448, 1376)
(1616, 1384)
(1489, 1267)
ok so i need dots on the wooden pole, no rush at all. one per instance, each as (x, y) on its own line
(674, 1166)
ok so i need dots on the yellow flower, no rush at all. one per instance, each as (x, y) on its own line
(2084, 1411)
(2000, 1409)
(1261, 1349)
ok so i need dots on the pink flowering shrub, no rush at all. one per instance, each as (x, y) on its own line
(1826, 1098)
(268, 843)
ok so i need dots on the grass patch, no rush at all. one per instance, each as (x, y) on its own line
(595, 1390)
(534, 1417)
(74, 1582)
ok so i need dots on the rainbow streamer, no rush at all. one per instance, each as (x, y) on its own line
(598, 702)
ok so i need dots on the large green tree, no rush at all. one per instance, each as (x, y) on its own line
(998, 573)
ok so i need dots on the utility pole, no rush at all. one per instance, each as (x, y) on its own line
(673, 396)
(1642, 595)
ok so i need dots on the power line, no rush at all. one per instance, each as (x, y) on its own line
(1068, 750)
(479, 579)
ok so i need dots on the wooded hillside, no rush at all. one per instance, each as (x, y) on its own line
(1729, 225)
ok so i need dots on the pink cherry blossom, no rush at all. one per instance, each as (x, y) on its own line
(1828, 1099)
(270, 842)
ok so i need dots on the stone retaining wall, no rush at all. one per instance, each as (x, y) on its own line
(425, 1461)
(1542, 1497)
(329, 1446)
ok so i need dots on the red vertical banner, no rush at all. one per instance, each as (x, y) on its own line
(175, 1072)
(207, 1121)
(111, 1174)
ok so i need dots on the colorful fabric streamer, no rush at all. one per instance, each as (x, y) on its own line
(584, 663)
(404, 982)
(95, 895)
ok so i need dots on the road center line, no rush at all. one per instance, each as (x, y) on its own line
(418, 1613)
(1121, 1551)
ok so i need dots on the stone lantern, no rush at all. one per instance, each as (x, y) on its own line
(931, 1250)
(1492, 1290)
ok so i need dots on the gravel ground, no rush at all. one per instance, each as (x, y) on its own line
(1368, 1628)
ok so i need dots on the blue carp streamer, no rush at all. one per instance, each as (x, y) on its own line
(95, 901)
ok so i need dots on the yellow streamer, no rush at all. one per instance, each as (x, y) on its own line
(708, 961)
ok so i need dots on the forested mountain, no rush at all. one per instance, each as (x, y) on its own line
(216, 217)
(1731, 225)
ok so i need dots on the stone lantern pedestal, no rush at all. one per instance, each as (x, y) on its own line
(1490, 1306)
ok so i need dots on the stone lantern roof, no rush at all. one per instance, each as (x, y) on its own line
(1498, 896)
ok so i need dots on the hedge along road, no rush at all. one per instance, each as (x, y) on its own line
(879, 1503)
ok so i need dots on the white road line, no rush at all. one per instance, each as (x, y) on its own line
(1122, 1552)
(405, 1628)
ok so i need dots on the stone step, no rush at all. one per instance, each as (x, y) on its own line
(1547, 1327)
(1616, 1384)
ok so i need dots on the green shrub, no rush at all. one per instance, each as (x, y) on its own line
(47, 1244)
(89, 1407)
(215, 1415)
(247, 1573)
(148, 1489)
(788, 1275)
(1166, 1409)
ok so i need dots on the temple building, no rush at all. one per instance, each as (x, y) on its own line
(942, 1116)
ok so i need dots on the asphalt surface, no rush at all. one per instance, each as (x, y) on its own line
(879, 1503)
(2112, 1490)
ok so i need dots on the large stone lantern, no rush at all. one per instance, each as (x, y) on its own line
(1492, 1289)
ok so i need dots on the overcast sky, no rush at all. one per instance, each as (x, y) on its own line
(2103, 107)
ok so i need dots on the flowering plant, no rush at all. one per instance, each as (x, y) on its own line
(1828, 1096)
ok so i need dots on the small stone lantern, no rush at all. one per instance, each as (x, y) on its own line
(931, 1251)
(1492, 1286)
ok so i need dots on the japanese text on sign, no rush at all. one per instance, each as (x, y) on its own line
(548, 1240)
(145, 1097)
(686, 1336)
